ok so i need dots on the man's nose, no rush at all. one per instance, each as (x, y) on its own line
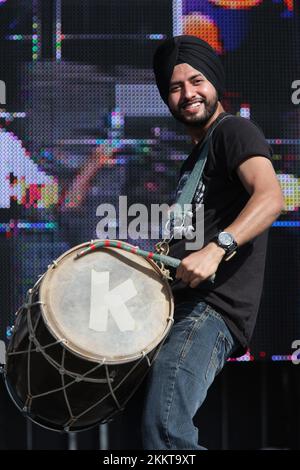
(188, 91)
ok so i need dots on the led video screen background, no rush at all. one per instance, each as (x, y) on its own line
(78, 75)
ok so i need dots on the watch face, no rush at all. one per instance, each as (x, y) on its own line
(225, 238)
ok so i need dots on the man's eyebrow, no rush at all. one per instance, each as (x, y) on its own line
(190, 78)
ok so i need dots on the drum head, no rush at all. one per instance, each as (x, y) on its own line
(108, 305)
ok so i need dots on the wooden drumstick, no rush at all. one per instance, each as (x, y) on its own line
(165, 259)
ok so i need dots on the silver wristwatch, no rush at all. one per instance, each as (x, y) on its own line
(226, 241)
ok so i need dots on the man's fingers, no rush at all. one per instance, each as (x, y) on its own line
(178, 272)
(182, 274)
(194, 283)
(181, 271)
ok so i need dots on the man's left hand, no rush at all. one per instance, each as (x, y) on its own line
(199, 266)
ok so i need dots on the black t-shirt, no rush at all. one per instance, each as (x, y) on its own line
(237, 289)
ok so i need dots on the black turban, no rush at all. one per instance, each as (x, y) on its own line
(190, 50)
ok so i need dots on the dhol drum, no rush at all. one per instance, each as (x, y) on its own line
(86, 336)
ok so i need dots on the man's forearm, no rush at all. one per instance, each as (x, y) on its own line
(259, 213)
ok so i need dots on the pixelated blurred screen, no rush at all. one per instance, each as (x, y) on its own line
(81, 123)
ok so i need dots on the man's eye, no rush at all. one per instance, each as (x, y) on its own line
(198, 81)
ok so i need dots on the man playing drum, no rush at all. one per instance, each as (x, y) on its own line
(241, 198)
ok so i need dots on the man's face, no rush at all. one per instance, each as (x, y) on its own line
(192, 98)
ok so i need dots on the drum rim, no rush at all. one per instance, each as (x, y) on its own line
(97, 358)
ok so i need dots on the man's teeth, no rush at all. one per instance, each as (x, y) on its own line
(193, 105)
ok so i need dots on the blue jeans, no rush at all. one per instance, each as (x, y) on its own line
(193, 354)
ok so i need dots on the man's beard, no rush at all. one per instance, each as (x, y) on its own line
(198, 120)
